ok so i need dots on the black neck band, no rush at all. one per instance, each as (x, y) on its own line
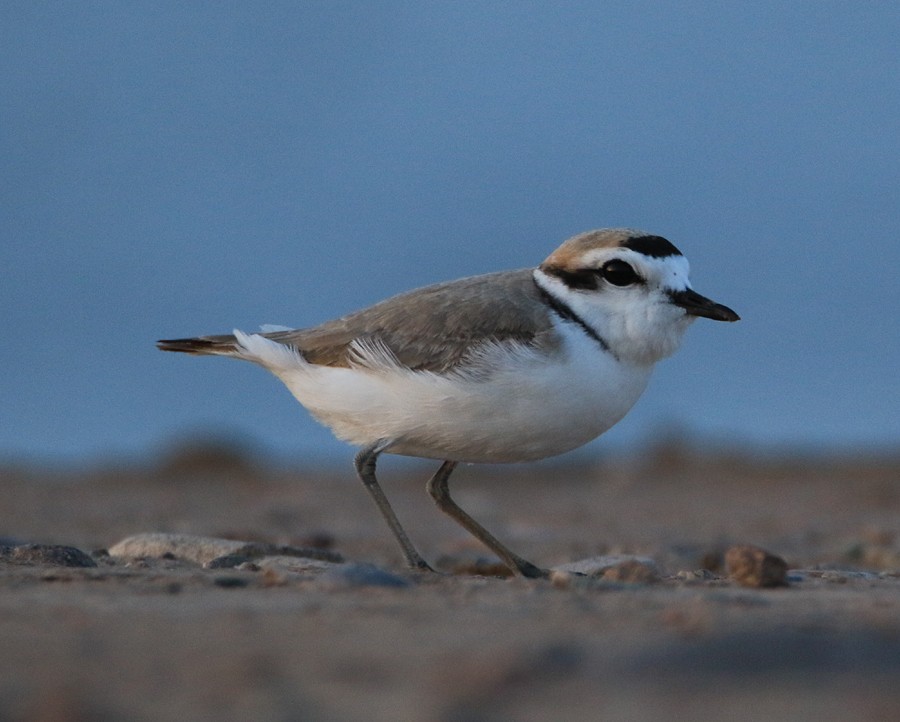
(564, 311)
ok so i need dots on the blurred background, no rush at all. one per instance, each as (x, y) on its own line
(173, 169)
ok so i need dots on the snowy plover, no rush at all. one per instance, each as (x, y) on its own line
(510, 366)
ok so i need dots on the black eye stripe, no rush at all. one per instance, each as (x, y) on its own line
(584, 279)
(615, 272)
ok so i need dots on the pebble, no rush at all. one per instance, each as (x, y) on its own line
(355, 576)
(293, 565)
(695, 576)
(615, 571)
(615, 567)
(841, 576)
(751, 566)
(45, 555)
(231, 582)
(228, 561)
(473, 564)
(632, 572)
(207, 550)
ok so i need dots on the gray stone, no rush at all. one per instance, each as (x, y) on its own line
(597, 566)
(45, 555)
(206, 550)
(362, 575)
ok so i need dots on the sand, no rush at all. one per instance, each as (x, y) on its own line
(272, 634)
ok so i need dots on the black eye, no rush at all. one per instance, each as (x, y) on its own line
(619, 273)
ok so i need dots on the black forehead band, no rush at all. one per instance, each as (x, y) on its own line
(653, 246)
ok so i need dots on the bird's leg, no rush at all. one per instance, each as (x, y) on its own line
(365, 468)
(437, 487)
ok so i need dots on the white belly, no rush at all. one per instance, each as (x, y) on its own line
(513, 405)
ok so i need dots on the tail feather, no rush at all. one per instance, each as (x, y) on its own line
(225, 345)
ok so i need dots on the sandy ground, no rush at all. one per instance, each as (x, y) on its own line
(168, 639)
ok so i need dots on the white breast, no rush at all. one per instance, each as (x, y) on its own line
(514, 403)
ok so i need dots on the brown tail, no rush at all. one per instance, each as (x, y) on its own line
(203, 345)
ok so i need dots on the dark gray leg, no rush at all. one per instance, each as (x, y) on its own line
(437, 487)
(365, 468)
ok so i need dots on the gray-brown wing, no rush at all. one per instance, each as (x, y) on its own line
(431, 328)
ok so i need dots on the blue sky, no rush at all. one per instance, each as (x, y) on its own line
(176, 168)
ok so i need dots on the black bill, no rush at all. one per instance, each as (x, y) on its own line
(696, 305)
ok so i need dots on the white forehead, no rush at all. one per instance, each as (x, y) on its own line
(671, 272)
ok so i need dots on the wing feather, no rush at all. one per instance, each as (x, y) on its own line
(433, 328)
(429, 329)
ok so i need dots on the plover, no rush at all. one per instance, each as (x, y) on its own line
(504, 367)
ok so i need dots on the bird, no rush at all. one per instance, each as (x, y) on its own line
(510, 366)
